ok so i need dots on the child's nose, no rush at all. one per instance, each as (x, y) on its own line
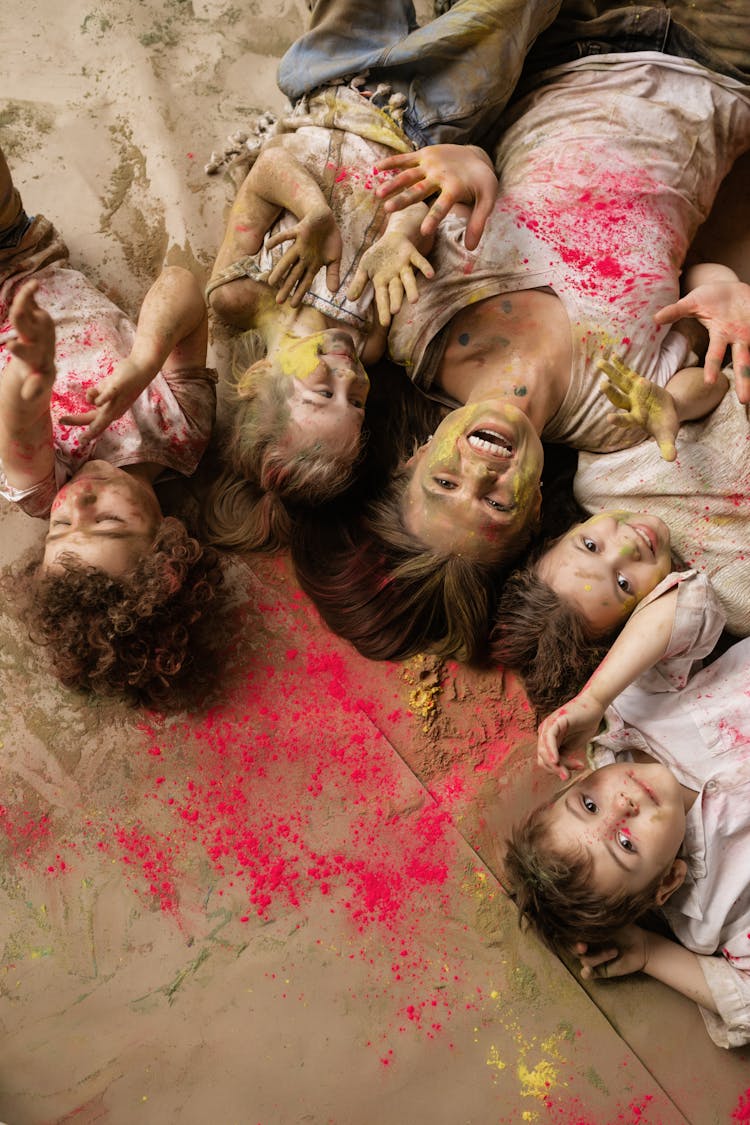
(626, 804)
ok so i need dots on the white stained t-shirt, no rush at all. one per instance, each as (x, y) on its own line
(170, 422)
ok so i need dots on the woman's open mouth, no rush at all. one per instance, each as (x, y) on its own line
(490, 443)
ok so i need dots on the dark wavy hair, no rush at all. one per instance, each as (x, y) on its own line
(544, 639)
(552, 889)
(139, 634)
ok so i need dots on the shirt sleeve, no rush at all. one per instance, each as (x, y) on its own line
(34, 501)
(730, 987)
(698, 623)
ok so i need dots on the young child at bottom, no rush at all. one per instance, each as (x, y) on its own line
(661, 822)
(92, 412)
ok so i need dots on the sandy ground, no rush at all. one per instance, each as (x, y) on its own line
(280, 907)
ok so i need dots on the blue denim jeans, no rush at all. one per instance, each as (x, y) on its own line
(456, 73)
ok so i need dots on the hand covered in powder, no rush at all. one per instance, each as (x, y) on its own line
(723, 307)
(644, 405)
(457, 173)
(111, 397)
(390, 265)
(316, 242)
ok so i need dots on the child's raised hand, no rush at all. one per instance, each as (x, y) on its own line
(34, 342)
(723, 307)
(628, 954)
(456, 173)
(563, 736)
(316, 242)
(111, 397)
(390, 265)
(645, 405)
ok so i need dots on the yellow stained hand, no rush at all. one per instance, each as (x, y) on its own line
(642, 404)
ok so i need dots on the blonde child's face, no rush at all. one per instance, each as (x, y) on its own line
(104, 516)
(629, 817)
(607, 565)
(330, 389)
(475, 484)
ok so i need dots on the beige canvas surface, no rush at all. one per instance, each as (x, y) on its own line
(278, 907)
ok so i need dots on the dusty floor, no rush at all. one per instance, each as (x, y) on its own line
(280, 907)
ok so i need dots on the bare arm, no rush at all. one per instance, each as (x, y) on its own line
(171, 334)
(26, 449)
(640, 645)
(279, 182)
(638, 950)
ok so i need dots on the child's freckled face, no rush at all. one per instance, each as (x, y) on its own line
(608, 564)
(104, 516)
(629, 817)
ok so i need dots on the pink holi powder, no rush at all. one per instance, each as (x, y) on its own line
(741, 1112)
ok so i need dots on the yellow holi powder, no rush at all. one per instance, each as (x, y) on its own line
(493, 1059)
(425, 675)
(587, 587)
(537, 1082)
(529, 1115)
(300, 357)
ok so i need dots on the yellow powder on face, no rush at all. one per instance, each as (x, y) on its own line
(301, 358)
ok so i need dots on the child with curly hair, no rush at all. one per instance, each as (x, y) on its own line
(92, 413)
(661, 822)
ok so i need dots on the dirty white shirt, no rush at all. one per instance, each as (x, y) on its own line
(606, 171)
(696, 721)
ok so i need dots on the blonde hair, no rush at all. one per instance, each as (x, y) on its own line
(248, 506)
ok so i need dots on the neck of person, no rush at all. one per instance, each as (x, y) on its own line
(280, 322)
(517, 346)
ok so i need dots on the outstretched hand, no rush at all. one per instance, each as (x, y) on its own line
(628, 954)
(723, 307)
(111, 397)
(457, 173)
(33, 342)
(563, 736)
(316, 242)
(644, 405)
(390, 265)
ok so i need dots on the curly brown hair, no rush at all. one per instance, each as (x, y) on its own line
(138, 634)
(552, 889)
(545, 640)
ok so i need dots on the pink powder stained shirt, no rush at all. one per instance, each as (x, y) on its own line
(695, 720)
(606, 171)
(169, 424)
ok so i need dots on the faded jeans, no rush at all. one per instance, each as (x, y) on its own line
(458, 72)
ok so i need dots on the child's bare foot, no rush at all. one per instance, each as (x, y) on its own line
(33, 350)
